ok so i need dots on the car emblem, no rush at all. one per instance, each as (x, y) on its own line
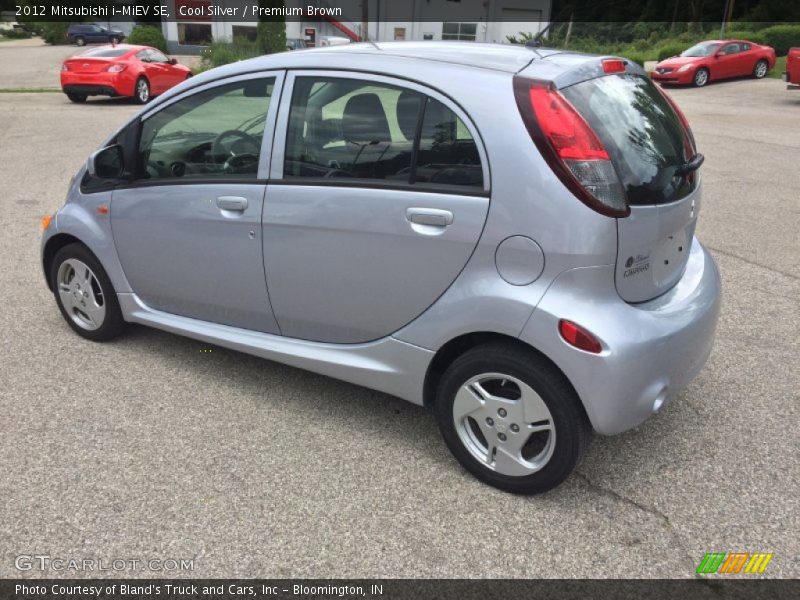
(85, 65)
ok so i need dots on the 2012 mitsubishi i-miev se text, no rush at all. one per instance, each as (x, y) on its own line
(504, 234)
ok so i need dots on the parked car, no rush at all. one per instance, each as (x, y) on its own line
(792, 74)
(715, 60)
(512, 246)
(295, 43)
(137, 72)
(92, 33)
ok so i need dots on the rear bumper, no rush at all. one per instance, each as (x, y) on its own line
(651, 350)
(97, 84)
(83, 89)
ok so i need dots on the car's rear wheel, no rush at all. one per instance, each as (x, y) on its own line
(142, 91)
(84, 294)
(77, 98)
(761, 69)
(511, 418)
(114, 40)
(80, 41)
(700, 78)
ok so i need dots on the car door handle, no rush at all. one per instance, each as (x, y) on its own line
(232, 203)
(434, 217)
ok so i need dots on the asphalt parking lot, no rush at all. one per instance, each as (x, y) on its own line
(152, 447)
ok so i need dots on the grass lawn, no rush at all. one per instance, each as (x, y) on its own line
(780, 67)
(33, 90)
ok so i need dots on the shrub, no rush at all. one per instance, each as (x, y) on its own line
(781, 37)
(15, 34)
(55, 33)
(271, 37)
(635, 56)
(147, 35)
(670, 50)
(223, 53)
(751, 36)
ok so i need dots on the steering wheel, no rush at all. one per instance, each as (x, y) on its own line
(219, 149)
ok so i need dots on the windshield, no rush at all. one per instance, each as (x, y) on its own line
(699, 50)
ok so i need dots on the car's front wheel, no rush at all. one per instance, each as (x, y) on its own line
(700, 78)
(80, 41)
(84, 294)
(761, 69)
(114, 40)
(511, 418)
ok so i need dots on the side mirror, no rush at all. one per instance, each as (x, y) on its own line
(173, 61)
(107, 163)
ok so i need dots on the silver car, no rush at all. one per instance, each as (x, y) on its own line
(503, 234)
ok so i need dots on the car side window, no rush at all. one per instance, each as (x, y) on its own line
(745, 47)
(157, 56)
(212, 134)
(447, 153)
(361, 130)
(731, 49)
(143, 55)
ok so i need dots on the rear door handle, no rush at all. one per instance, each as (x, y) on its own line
(429, 216)
(236, 203)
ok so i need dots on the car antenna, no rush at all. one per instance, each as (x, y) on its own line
(536, 42)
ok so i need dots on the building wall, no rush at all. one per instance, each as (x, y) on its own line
(474, 20)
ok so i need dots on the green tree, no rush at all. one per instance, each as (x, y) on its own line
(271, 36)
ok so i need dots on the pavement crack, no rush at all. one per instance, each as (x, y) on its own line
(754, 263)
(665, 520)
(624, 499)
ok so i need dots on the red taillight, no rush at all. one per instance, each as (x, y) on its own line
(577, 336)
(116, 68)
(613, 65)
(566, 130)
(570, 146)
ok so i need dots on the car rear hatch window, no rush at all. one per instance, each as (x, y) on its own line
(652, 150)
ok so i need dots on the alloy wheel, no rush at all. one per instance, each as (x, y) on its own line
(504, 424)
(81, 294)
(142, 91)
(761, 70)
(701, 78)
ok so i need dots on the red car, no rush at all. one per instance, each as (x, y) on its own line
(714, 60)
(138, 72)
(792, 74)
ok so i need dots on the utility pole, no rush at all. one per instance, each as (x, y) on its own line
(674, 15)
(364, 20)
(727, 15)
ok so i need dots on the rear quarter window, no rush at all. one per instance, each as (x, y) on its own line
(641, 132)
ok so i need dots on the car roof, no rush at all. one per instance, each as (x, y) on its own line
(428, 62)
(499, 57)
(128, 48)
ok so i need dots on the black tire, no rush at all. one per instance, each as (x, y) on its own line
(137, 97)
(761, 69)
(113, 323)
(114, 40)
(80, 41)
(77, 98)
(571, 426)
(701, 77)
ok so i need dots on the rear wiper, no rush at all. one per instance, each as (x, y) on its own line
(690, 165)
